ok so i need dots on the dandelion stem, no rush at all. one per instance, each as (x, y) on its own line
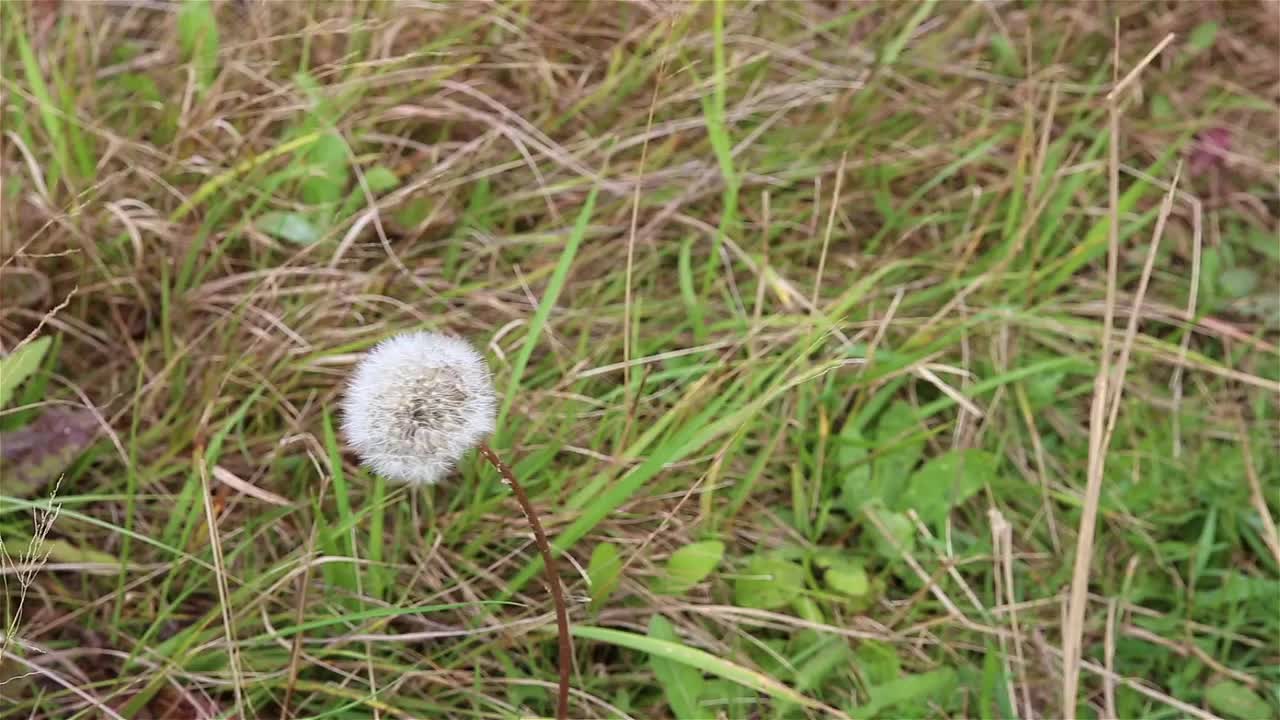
(553, 577)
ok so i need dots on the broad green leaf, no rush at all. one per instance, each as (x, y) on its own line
(604, 570)
(293, 227)
(946, 481)
(142, 87)
(994, 692)
(1161, 107)
(682, 683)
(806, 608)
(852, 449)
(851, 459)
(1006, 55)
(1235, 588)
(1237, 701)
(898, 436)
(63, 551)
(909, 689)
(198, 39)
(768, 582)
(1238, 282)
(1042, 389)
(878, 662)
(847, 577)
(19, 365)
(690, 564)
(831, 656)
(327, 161)
(1202, 37)
(902, 534)
(380, 179)
(412, 212)
(731, 697)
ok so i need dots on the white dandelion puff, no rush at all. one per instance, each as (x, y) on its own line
(416, 403)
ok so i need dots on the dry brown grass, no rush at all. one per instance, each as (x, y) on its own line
(865, 233)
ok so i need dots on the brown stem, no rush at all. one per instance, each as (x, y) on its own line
(553, 577)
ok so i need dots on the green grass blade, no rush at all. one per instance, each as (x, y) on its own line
(50, 114)
(340, 537)
(549, 298)
(703, 661)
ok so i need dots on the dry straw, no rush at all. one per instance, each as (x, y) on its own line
(415, 405)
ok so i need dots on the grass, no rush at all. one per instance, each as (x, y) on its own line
(828, 335)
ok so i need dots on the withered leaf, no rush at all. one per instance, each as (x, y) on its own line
(32, 456)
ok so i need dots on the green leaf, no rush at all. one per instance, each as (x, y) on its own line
(1161, 107)
(898, 435)
(1042, 389)
(1210, 274)
(293, 227)
(907, 690)
(141, 86)
(899, 528)
(682, 683)
(851, 458)
(604, 571)
(410, 214)
(198, 39)
(1006, 55)
(690, 564)
(848, 577)
(19, 365)
(698, 659)
(852, 448)
(994, 692)
(832, 655)
(878, 662)
(946, 481)
(380, 179)
(1236, 700)
(768, 582)
(328, 174)
(1238, 282)
(1201, 38)
(63, 551)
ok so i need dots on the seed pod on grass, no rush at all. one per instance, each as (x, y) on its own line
(416, 403)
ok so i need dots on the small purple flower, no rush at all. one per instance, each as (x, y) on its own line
(1210, 149)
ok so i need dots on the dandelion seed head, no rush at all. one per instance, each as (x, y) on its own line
(416, 402)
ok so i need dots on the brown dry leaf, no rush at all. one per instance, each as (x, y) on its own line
(45, 14)
(230, 479)
(34, 455)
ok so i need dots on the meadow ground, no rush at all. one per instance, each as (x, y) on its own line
(862, 360)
